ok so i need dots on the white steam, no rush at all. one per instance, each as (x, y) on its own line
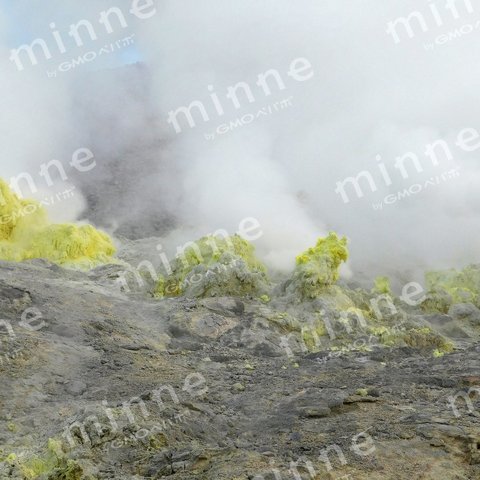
(368, 96)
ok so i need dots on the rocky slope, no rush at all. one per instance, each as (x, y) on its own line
(100, 383)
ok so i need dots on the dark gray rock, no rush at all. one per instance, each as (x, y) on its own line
(467, 312)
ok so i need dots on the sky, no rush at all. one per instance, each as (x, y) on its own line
(22, 28)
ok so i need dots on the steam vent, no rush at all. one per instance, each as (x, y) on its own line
(239, 240)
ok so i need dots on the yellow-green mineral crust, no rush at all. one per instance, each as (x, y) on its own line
(318, 267)
(449, 287)
(25, 234)
(214, 266)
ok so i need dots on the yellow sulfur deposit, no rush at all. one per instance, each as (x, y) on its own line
(25, 233)
(53, 465)
(17, 215)
(382, 286)
(318, 267)
(216, 266)
(449, 287)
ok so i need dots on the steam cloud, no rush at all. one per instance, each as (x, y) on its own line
(368, 97)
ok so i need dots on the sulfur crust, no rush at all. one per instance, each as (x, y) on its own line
(25, 234)
(223, 266)
(318, 267)
(449, 287)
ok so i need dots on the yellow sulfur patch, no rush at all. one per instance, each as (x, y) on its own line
(449, 287)
(318, 267)
(216, 266)
(382, 286)
(26, 234)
